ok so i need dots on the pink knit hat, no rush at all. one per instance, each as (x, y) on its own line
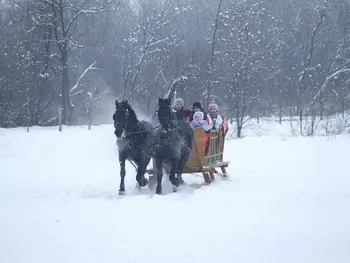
(213, 107)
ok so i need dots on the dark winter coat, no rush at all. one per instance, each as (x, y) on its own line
(180, 114)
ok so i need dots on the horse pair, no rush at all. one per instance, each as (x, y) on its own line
(139, 141)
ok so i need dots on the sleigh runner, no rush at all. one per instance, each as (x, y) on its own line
(203, 159)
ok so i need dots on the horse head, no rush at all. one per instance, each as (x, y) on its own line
(120, 117)
(164, 113)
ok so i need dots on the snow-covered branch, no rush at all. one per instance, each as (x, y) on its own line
(91, 67)
(324, 85)
(87, 11)
(160, 72)
(312, 44)
(156, 42)
(174, 85)
(72, 43)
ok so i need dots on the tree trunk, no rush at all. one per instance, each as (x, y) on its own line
(60, 114)
(28, 109)
(301, 120)
(280, 110)
(211, 61)
(313, 117)
(89, 117)
(66, 116)
(239, 130)
(300, 112)
(258, 106)
(321, 106)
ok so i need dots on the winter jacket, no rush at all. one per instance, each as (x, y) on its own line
(216, 122)
(199, 124)
(206, 117)
(179, 114)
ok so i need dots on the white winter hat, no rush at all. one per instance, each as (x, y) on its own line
(198, 114)
(179, 101)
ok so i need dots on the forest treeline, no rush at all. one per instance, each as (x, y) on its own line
(66, 61)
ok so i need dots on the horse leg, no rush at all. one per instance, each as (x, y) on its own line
(178, 171)
(122, 160)
(159, 168)
(141, 170)
(175, 181)
(179, 178)
(182, 165)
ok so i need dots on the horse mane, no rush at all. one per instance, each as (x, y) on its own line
(141, 126)
(126, 106)
(164, 102)
(132, 113)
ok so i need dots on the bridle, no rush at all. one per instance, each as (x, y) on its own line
(119, 125)
(168, 119)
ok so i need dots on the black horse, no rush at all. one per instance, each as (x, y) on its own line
(135, 142)
(174, 144)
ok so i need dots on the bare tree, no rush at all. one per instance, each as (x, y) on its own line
(307, 51)
(213, 41)
(63, 18)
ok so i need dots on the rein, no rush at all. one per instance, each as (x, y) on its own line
(137, 132)
(170, 130)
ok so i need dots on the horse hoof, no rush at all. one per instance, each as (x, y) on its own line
(142, 182)
(158, 191)
(174, 189)
(176, 182)
(121, 192)
(225, 176)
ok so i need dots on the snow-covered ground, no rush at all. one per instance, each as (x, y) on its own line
(288, 200)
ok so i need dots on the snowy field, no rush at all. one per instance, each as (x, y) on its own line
(288, 200)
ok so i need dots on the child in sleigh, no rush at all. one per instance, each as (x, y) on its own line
(199, 122)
